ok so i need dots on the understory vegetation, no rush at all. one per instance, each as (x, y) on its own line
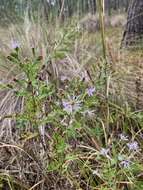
(70, 113)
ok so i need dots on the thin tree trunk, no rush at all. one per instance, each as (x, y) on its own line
(46, 9)
(61, 15)
(133, 33)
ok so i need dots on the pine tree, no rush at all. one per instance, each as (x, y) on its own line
(133, 33)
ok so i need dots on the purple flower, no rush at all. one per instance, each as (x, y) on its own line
(133, 145)
(15, 44)
(71, 105)
(104, 151)
(67, 107)
(125, 163)
(123, 137)
(141, 135)
(90, 91)
(33, 46)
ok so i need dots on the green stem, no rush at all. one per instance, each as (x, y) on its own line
(102, 27)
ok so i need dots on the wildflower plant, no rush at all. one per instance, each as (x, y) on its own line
(62, 126)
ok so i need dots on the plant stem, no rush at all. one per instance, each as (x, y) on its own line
(107, 77)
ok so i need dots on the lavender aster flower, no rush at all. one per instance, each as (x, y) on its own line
(125, 163)
(67, 107)
(71, 105)
(90, 91)
(104, 151)
(15, 44)
(133, 146)
(141, 135)
(123, 137)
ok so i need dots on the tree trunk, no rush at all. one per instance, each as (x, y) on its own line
(46, 9)
(133, 33)
(61, 13)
